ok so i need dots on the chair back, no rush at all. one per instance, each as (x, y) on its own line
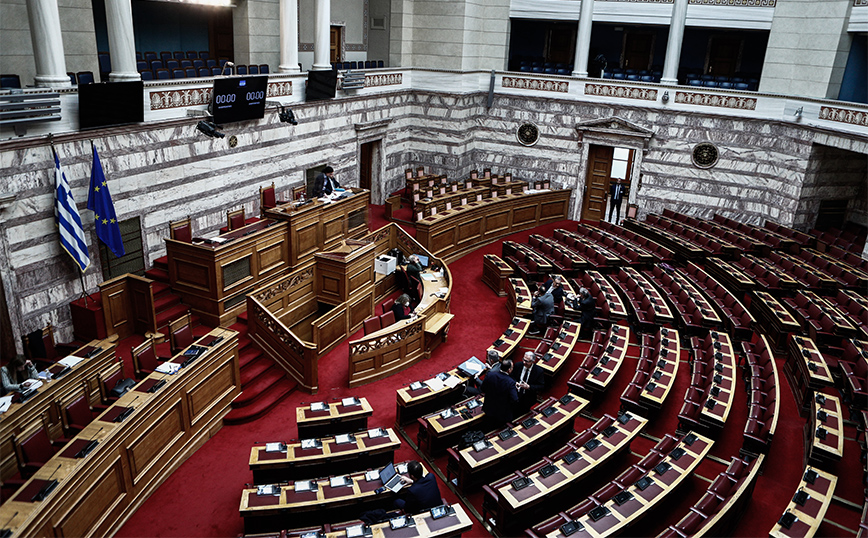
(235, 219)
(144, 358)
(39, 344)
(181, 333)
(298, 192)
(107, 379)
(32, 448)
(267, 197)
(387, 319)
(387, 306)
(76, 414)
(371, 325)
(181, 230)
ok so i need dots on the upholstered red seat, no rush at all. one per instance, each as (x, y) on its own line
(77, 415)
(371, 325)
(33, 451)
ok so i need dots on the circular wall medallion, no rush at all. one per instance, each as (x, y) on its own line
(705, 155)
(233, 141)
(527, 134)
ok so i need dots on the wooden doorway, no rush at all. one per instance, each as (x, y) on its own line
(638, 51)
(724, 56)
(365, 163)
(561, 43)
(597, 182)
(369, 169)
(335, 44)
(220, 32)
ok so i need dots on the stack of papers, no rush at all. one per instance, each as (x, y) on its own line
(168, 368)
(318, 406)
(429, 277)
(275, 447)
(351, 401)
(5, 402)
(340, 482)
(70, 361)
(434, 384)
(356, 531)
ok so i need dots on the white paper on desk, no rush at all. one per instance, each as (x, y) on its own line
(442, 290)
(33, 384)
(350, 402)
(168, 368)
(275, 447)
(318, 406)
(451, 382)
(338, 481)
(429, 277)
(304, 485)
(268, 489)
(355, 531)
(343, 438)
(434, 384)
(5, 402)
(70, 361)
(376, 432)
(370, 476)
(401, 468)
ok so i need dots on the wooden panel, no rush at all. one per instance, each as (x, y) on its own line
(155, 440)
(333, 229)
(360, 310)
(331, 285)
(392, 356)
(364, 365)
(524, 215)
(470, 231)
(306, 241)
(98, 502)
(271, 256)
(441, 241)
(496, 222)
(331, 329)
(193, 275)
(361, 279)
(117, 307)
(556, 210)
(201, 398)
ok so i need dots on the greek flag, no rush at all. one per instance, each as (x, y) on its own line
(99, 200)
(68, 220)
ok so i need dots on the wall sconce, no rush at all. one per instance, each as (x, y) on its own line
(665, 97)
(798, 114)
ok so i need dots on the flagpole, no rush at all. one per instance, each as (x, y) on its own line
(83, 289)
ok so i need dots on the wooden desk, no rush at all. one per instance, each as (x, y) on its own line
(495, 273)
(776, 320)
(336, 418)
(442, 429)
(724, 367)
(787, 281)
(97, 493)
(560, 349)
(824, 451)
(474, 466)
(662, 312)
(412, 404)
(518, 298)
(731, 275)
(42, 406)
(451, 233)
(806, 370)
(709, 315)
(270, 512)
(507, 342)
(214, 277)
(666, 361)
(641, 502)
(516, 507)
(318, 225)
(606, 291)
(808, 517)
(606, 368)
(677, 244)
(332, 458)
(424, 525)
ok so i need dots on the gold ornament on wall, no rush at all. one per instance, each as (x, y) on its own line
(705, 155)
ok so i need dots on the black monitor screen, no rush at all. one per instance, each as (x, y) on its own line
(321, 85)
(239, 98)
(110, 103)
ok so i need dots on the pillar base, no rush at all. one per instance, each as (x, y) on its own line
(52, 81)
(290, 69)
(123, 77)
(669, 81)
(580, 74)
(321, 67)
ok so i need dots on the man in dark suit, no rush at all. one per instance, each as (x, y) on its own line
(588, 308)
(530, 381)
(501, 395)
(423, 492)
(325, 182)
(617, 191)
(414, 278)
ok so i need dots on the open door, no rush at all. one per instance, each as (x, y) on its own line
(596, 183)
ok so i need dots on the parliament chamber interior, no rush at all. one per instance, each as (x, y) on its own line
(212, 213)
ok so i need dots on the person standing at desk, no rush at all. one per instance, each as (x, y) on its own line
(500, 396)
(414, 278)
(530, 381)
(17, 374)
(423, 492)
(543, 305)
(325, 182)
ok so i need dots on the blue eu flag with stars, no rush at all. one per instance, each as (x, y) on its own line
(99, 200)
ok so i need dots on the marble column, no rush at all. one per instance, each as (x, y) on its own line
(44, 19)
(673, 46)
(288, 36)
(583, 41)
(322, 36)
(122, 45)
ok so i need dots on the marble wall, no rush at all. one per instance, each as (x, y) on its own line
(834, 174)
(165, 171)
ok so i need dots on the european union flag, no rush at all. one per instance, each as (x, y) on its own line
(99, 200)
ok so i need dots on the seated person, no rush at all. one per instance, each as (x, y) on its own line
(422, 493)
(414, 277)
(17, 374)
(325, 182)
(402, 309)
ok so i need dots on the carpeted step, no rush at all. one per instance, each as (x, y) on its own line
(263, 404)
(244, 341)
(247, 356)
(260, 386)
(162, 263)
(165, 301)
(160, 288)
(242, 317)
(254, 369)
(173, 313)
(155, 273)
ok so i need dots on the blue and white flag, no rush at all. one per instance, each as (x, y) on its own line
(67, 219)
(99, 200)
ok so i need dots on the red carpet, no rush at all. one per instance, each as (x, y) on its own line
(202, 497)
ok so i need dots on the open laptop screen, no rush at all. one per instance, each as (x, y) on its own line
(387, 473)
(423, 260)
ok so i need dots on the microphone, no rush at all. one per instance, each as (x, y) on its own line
(91, 444)
(7, 532)
(49, 486)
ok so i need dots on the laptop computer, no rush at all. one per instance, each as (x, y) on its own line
(390, 478)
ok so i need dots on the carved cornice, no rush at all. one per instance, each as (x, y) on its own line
(387, 340)
(844, 115)
(624, 92)
(522, 83)
(284, 285)
(721, 101)
(177, 98)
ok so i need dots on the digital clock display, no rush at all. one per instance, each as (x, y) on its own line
(239, 98)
